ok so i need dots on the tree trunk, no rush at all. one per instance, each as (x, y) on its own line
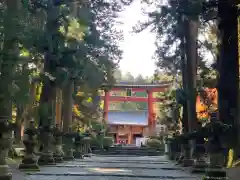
(9, 56)
(191, 34)
(8, 60)
(228, 67)
(45, 114)
(30, 106)
(47, 95)
(50, 65)
(58, 107)
(185, 110)
(19, 122)
(181, 23)
(26, 111)
(67, 105)
(54, 106)
(191, 66)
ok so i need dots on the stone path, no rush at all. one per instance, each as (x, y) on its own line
(109, 168)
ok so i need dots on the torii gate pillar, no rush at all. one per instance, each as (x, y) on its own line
(151, 114)
(106, 101)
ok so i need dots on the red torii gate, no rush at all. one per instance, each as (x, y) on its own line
(149, 88)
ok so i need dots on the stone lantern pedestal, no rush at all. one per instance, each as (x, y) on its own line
(78, 154)
(58, 152)
(5, 145)
(30, 161)
(46, 136)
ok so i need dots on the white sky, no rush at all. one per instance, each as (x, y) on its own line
(138, 49)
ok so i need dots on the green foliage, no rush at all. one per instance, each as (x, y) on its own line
(86, 140)
(96, 55)
(72, 40)
(165, 107)
(107, 142)
(154, 143)
(102, 141)
(165, 21)
(98, 127)
(95, 142)
(129, 92)
(168, 25)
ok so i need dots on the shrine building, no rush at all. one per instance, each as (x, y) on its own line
(126, 126)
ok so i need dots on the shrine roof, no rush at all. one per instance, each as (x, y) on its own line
(122, 84)
(139, 118)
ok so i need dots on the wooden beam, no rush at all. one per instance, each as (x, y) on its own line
(131, 99)
(145, 86)
(140, 89)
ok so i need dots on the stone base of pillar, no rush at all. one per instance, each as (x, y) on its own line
(46, 159)
(199, 166)
(4, 173)
(88, 155)
(58, 154)
(171, 157)
(78, 155)
(69, 155)
(187, 162)
(29, 163)
(32, 167)
(58, 158)
(177, 156)
(180, 160)
(68, 158)
(212, 174)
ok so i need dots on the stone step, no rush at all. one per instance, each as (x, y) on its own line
(139, 151)
(130, 148)
(129, 153)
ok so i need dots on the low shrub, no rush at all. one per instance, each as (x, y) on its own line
(107, 142)
(154, 143)
(102, 142)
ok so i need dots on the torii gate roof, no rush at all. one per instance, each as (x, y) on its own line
(139, 85)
